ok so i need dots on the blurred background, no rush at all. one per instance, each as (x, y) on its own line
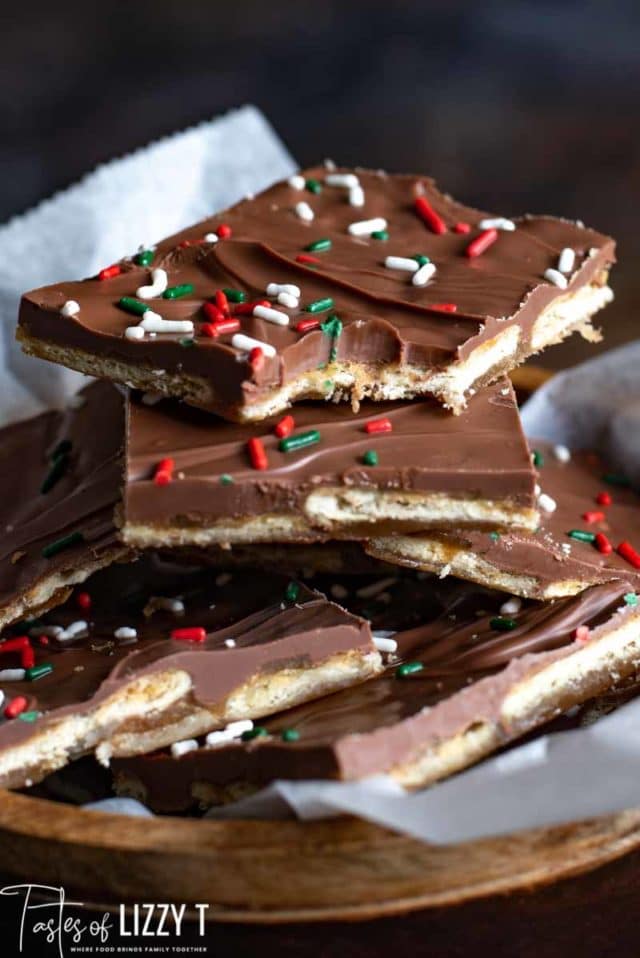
(521, 106)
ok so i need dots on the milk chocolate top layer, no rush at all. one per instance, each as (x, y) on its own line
(80, 491)
(385, 318)
(551, 554)
(481, 453)
(468, 666)
(269, 632)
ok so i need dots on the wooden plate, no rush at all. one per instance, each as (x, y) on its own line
(270, 872)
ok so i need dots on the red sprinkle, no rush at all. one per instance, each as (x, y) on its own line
(193, 634)
(604, 499)
(462, 228)
(306, 260)
(110, 271)
(305, 325)
(593, 516)
(83, 600)
(246, 309)
(257, 454)
(222, 302)
(17, 644)
(43, 640)
(224, 231)
(164, 472)
(582, 633)
(379, 425)
(221, 327)
(213, 314)
(626, 550)
(256, 359)
(444, 307)
(208, 329)
(602, 544)
(27, 658)
(15, 707)
(285, 427)
(429, 216)
(481, 243)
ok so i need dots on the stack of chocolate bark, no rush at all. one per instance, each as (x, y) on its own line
(333, 553)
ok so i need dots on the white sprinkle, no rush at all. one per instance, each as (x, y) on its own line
(271, 315)
(566, 260)
(329, 164)
(211, 238)
(1, 697)
(230, 643)
(152, 323)
(12, 675)
(235, 729)
(383, 644)
(546, 503)
(498, 223)
(423, 275)
(346, 180)
(286, 299)
(70, 308)
(274, 288)
(73, 631)
(445, 571)
(553, 276)
(562, 454)
(247, 343)
(304, 212)
(166, 604)
(159, 281)
(296, 182)
(356, 196)
(134, 332)
(51, 631)
(511, 606)
(367, 227)
(125, 632)
(402, 262)
(181, 748)
(338, 591)
(370, 591)
(537, 490)
(150, 399)
(223, 579)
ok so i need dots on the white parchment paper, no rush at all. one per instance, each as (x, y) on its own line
(157, 190)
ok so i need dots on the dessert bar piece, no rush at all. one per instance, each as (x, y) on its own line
(590, 523)
(164, 653)
(61, 478)
(333, 285)
(465, 680)
(193, 480)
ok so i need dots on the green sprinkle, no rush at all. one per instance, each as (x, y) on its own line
(133, 305)
(39, 671)
(301, 441)
(290, 735)
(582, 536)
(333, 354)
(187, 342)
(235, 295)
(56, 472)
(63, 447)
(29, 716)
(615, 479)
(145, 257)
(631, 598)
(319, 305)
(494, 536)
(502, 624)
(408, 668)
(176, 292)
(380, 235)
(58, 545)
(258, 731)
(292, 592)
(328, 384)
(314, 186)
(226, 479)
(421, 259)
(332, 326)
(370, 458)
(319, 246)
(537, 458)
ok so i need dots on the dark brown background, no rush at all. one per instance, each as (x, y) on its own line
(517, 106)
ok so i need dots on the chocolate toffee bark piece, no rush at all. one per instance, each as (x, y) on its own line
(164, 653)
(192, 480)
(587, 534)
(403, 293)
(61, 478)
(464, 681)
